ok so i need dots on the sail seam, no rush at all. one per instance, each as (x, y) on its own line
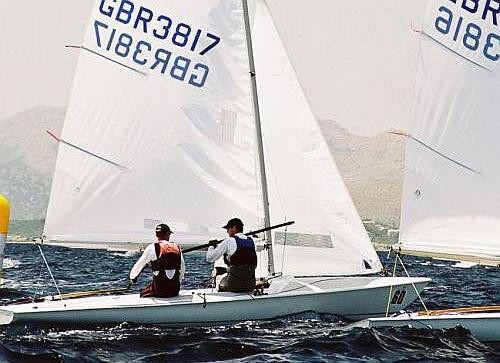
(112, 60)
(434, 150)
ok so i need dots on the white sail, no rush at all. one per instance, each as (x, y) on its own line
(451, 203)
(160, 126)
(328, 237)
(143, 143)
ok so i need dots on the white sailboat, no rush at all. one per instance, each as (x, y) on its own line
(164, 124)
(451, 204)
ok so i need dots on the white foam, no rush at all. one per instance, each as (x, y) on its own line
(10, 263)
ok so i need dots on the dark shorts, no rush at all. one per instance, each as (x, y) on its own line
(168, 288)
(239, 278)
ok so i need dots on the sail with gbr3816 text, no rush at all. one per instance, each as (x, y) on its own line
(451, 203)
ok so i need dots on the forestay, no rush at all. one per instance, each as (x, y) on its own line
(328, 237)
(451, 202)
(159, 127)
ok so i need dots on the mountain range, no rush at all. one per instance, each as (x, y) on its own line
(27, 159)
(372, 167)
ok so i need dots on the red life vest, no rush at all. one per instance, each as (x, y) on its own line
(168, 257)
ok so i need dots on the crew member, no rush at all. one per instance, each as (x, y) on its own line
(167, 264)
(239, 255)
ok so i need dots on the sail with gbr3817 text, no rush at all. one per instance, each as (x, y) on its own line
(165, 103)
(167, 99)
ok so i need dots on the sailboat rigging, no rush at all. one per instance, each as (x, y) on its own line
(188, 134)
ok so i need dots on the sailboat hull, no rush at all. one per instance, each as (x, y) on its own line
(484, 326)
(351, 297)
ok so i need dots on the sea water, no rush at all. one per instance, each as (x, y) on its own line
(304, 337)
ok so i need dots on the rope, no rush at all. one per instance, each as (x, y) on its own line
(275, 180)
(390, 289)
(412, 284)
(398, 258)
(50, 272)
(38, 281)
(283, 251)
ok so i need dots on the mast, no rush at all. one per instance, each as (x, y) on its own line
(263, 179)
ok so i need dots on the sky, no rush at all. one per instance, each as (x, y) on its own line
(356, 60)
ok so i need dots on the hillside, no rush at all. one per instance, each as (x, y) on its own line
(371, 167)
(27, 158)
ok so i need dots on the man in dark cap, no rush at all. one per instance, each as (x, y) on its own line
(167, 264)
(240, 256)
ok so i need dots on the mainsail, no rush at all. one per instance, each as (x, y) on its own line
(451, 203)
(159, 127)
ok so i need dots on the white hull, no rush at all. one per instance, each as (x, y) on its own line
(351, 297)
(484, 326)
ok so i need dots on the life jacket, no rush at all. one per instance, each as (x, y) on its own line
(245, 253)
(168, 257)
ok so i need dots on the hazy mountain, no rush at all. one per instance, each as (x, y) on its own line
(372, 167)
(27, 158)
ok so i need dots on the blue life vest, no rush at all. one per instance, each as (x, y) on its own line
(245, 252)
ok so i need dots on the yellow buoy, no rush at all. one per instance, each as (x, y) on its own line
(4, 227)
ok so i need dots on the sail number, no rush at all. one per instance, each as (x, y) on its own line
(469, 34)
(141, 52)
(160, 26)
(398, 297)
(157, 27)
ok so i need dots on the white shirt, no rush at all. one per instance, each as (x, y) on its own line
(149, 255)
(228, 246)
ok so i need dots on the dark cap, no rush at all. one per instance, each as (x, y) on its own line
(163, 228)
(234, 222)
